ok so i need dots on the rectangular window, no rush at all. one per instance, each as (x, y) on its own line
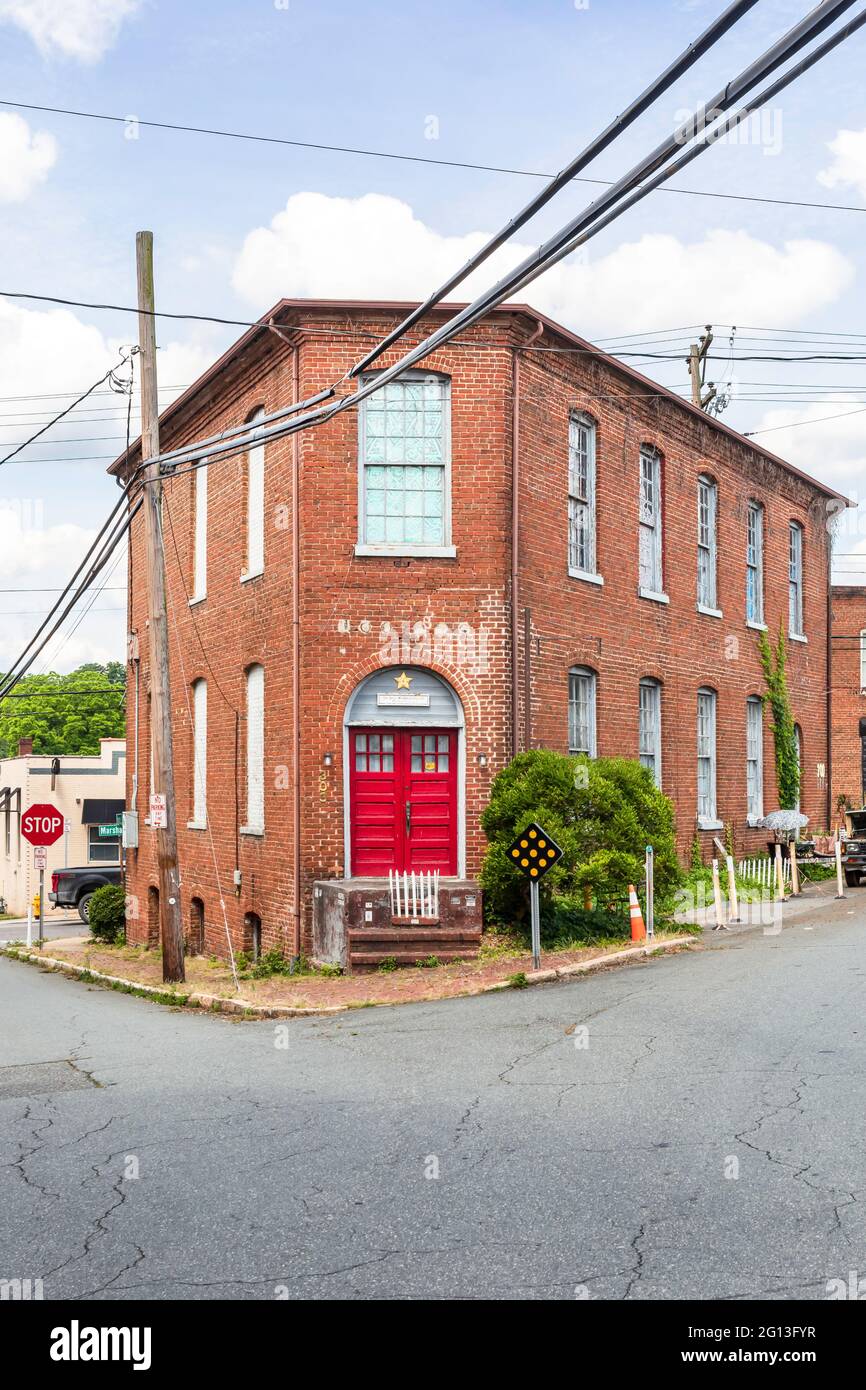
(754, 758)
(102, 847)
(706, 755)
(255, 508)
(199, 578)
(199, 715)
(255, 751)
(755, 564)
(581, 494)
(405, 456)
(650, 728)
(863, 660)
(795, 579)
(707, 508)
(581, 711)
(650, 521)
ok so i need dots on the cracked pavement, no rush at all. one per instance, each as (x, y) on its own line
(707, 1143)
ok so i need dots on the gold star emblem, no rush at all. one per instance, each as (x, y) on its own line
(403, 681)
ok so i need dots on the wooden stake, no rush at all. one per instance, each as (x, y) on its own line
(171, 929)
(717, 897)
(840, 887)
(795, 873)
(780, 875)
(733, 901)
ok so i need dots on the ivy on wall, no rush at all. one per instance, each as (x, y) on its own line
(778, 701)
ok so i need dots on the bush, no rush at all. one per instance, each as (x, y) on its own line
(602, 813)
(107, 920)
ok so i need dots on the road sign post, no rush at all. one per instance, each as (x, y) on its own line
(41, 825)
(534, 853)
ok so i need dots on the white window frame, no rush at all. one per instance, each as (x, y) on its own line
(255, 710)
(446, 550)
(862, 661)
(199, 578)
(755, 561)
(650, 520)
(199, 756)
(113, 844)
(795, 579)
(583, 677)
(707, 580)
(707, 754)
(255, 560)
(582, 449)
(754, 759)
(650, 723)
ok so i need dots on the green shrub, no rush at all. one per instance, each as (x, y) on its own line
(602, 813)
(107, 919)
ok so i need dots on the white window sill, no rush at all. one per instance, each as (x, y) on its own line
(757, 627)
(418, 552)
(754, 822)
(197, 598)
(247, 575)
(585, 576)
(257, 831)
(653, 595)
(710, 612)
(196, 825)
(797, 637)
(705, 824)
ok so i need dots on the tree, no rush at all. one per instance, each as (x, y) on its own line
(52, 711)
(602, 812)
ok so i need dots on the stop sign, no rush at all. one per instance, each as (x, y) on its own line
(42, 824)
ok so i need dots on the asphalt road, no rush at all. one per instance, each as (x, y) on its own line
(56, 928)
(309, 1170)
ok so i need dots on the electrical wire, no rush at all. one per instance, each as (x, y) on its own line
(110, 375)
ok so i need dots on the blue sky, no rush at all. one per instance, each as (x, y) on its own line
(238, 224)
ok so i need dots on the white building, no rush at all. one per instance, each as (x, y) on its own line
(89, 792)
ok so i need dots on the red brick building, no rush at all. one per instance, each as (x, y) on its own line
(525, 544)
(848, 764)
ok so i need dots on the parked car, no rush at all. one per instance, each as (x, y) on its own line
(854, 847)
(75, 887)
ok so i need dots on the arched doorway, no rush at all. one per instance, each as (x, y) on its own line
(404, 761)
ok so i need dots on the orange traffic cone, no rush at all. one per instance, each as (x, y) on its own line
(638, 930)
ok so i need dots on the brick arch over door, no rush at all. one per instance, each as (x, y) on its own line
(404, 760)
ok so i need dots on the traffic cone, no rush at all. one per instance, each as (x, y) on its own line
(638, 930)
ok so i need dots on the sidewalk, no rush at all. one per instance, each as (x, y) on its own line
(768, 913)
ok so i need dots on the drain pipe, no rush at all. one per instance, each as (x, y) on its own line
(515, 536)
(296, 663)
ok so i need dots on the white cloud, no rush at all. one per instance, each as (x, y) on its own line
(849, 162)
(81, 29)
(25, 157)
(375, 247)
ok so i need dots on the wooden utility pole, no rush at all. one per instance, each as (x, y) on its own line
(171, 930)
(697, 362)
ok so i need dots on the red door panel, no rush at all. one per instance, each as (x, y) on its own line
(403, 800)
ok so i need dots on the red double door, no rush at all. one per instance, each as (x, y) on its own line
(403, 800)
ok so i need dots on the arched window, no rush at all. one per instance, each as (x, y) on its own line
(255, 821)
(199, 574)
(795, 579)
(255, 506)
(863, 661)
(581, 495)
(707, 758)
(755, 564)
(707, 520)
(195, 939)
(253, 935)
(404, 466)
(199, 755)
(152, 917)
(581, 710)
(650, 727)
(754, 759)
(651, 577)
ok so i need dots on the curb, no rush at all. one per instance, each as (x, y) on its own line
(216, 1003)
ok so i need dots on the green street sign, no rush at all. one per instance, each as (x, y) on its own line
(109, 832)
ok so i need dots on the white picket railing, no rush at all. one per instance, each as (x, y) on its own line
(415, 893)
(762, 871)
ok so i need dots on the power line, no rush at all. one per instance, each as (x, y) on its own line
(796, 424)
(110, 375)
(414, 158)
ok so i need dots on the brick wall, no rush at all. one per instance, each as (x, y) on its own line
(848, 700)
(454, 615)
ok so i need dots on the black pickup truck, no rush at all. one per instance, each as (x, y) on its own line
(75, 887)
(854, 848)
